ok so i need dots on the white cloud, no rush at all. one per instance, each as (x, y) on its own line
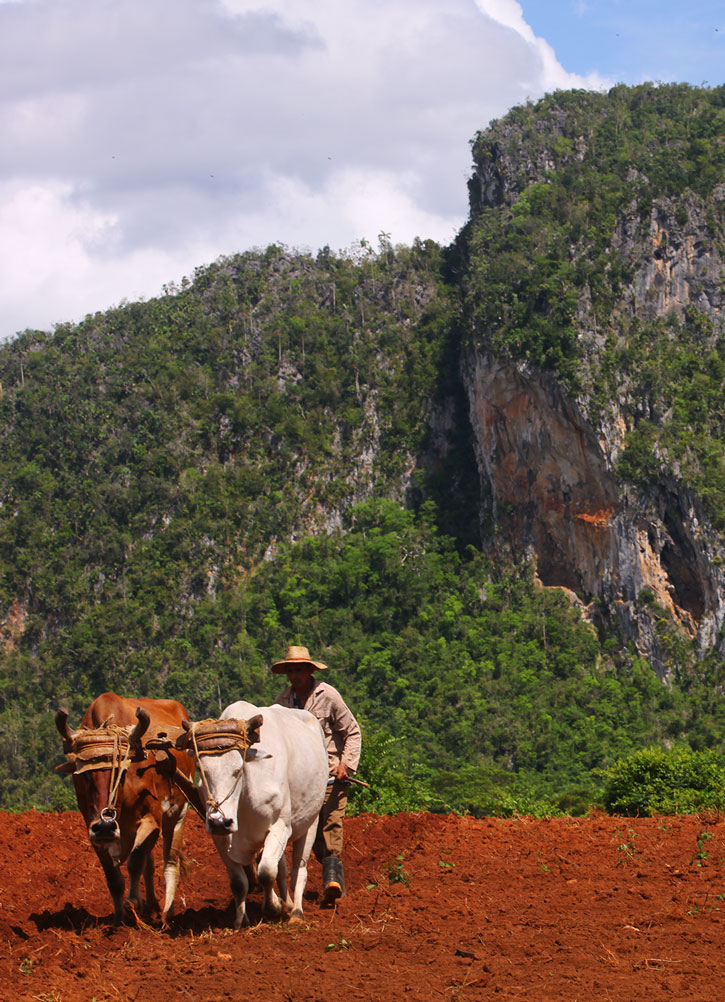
(553, 76)
(55, 260)
(145, 137)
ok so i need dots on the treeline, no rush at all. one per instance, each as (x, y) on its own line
(477, 689)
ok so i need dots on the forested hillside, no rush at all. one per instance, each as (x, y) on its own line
(286, 449)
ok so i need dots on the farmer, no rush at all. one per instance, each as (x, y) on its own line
(343, 740)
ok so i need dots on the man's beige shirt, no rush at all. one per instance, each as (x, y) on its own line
(342, 731)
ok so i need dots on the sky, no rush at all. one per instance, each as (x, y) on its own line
(144, 138)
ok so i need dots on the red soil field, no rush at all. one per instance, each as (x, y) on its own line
(594, 908)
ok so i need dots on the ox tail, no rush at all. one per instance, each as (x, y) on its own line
(186, 865)
(251, 870)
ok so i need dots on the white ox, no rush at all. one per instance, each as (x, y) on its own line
(258, 798)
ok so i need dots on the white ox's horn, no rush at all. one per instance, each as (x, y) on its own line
(253, 725)
(182, 741)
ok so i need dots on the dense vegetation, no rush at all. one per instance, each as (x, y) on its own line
(658, 781)
(277, 452)
(153, 456)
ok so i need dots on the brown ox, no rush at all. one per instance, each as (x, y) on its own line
(125, 801)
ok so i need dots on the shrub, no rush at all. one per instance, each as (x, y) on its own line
(659, 781)
(392, 788)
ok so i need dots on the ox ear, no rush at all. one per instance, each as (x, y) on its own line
(66, 767)
(61, 722)
(253, 726)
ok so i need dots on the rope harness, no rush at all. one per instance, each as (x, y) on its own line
(208, 739)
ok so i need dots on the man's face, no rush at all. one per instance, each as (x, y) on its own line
(299, 675)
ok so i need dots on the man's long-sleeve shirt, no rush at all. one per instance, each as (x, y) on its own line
(342, 731)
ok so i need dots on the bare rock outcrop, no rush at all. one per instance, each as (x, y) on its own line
(552, 495)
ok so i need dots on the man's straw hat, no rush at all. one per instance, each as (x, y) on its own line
(296, 656)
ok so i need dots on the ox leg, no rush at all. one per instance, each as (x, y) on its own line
(283, 884)
(141, 862)
(269, 866)
(239, 885)
(115, 882)
(251, 871)
(237, 881)
(301, 850)
(173, 834)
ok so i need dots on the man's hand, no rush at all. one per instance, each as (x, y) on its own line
(341, 773)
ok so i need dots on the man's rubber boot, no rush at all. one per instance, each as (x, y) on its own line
(333, 880)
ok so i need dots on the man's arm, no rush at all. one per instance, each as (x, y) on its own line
(344, 724)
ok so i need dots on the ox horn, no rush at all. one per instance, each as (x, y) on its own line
(61, 722)
(183, 739)
(141, 727)
(253, 725)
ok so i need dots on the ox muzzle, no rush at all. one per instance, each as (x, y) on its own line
(105, 829)
(217, 823)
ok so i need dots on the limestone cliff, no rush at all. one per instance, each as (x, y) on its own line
(638, 552)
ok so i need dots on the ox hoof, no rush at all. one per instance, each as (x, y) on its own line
(296, 918)
(272, 907)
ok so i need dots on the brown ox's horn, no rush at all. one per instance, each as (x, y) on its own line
(61, 722)
(141, 727)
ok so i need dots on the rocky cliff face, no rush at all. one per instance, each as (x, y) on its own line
(552, 495)
(635, 557)
(677, 260)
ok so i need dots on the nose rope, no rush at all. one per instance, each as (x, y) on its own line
(119, 765)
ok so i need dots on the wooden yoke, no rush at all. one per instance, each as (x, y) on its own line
(161, 741)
